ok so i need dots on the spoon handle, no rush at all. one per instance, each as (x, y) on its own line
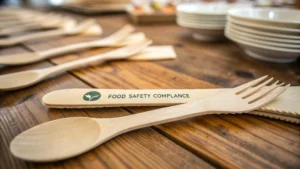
(167, 114)
(66, 49)
(39, 35)
(80, 63)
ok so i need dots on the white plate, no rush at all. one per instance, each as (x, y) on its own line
(201, 20)
(286, 18)
(262, 33)
(265, 52)
(203, 17)
(265, 27)
(201, 26)
(210, 23)
(263, 42)
(263, 38)
(203, 8)
(211, 8)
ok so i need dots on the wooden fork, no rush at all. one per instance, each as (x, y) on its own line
(26, 58)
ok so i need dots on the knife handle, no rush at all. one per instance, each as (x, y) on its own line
(85, 98)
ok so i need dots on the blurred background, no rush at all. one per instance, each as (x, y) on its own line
(43, 3)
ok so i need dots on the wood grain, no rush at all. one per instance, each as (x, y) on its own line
(231, 141)
(216, 147)
(22, 109)
(226, 144)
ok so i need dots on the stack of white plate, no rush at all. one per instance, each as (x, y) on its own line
(269, 34)
(206, 20)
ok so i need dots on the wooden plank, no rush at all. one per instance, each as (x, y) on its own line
(224, 136)
(22, 109)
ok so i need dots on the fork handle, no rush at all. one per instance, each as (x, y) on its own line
(66, 49)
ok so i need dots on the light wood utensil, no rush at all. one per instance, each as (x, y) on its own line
(69, 137)
(112, 40)
(43, 24)
(17, 22)
(149, 53)
(87, 27)
(24, 79)
(287, 103)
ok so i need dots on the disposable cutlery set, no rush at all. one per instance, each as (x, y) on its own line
(69, 137)
(135, 47)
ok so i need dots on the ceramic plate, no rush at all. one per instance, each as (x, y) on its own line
(265, 52)
(262, 42)
(265, 27)
(286, 18)
(262, 33)
(263, 38)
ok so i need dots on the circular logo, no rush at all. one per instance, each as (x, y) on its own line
(91, 96)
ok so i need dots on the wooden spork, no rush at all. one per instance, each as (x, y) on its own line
(26, 58)
(23, 79)
(69, 137)
(86, 27)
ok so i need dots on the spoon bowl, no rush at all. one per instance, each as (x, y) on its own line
(19, 80)
(56, 140)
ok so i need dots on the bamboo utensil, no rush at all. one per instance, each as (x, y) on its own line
(284, 107)
(286, 103)
(17, 22)
(69, 137)
(87, 27)
(24, 79)
(112, 40)
(43, 24)
(149, 53)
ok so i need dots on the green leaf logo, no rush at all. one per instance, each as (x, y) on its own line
(91, 96)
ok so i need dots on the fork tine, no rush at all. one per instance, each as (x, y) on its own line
(254, 89)
(249, 84)
(124, 30)
(270, 96)
(262, 92)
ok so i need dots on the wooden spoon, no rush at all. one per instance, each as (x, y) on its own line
(87, 27)
(26, 58)
(44, 24)
(69, 137)
(24, 79)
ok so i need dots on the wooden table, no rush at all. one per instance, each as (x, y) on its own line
(214, 141)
